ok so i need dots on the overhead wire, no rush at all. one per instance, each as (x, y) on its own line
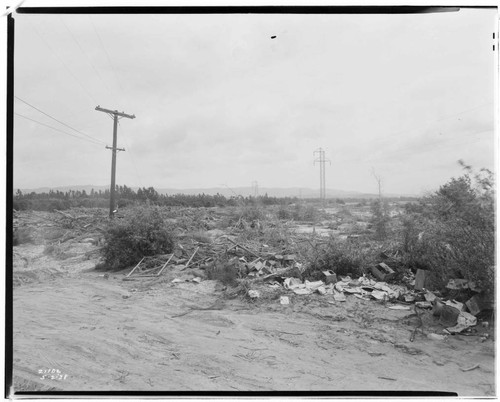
(106, 52)
(138, 175)
(430, 123)
(56, 129)
(59, 121)
(62, 61)
(86, 55)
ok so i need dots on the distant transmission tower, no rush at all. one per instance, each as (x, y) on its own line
(255, 188)
(321, 159)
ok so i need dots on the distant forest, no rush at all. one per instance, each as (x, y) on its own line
(125, 196)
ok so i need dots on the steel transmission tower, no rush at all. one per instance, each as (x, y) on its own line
(255, 187)
(321, 159)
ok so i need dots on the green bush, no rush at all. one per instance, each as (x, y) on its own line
(454, 235)
(307, 213)
(341, 257)
(380, 219)
(284, 213)
(142, 232)
(224, 270)
(252, 213)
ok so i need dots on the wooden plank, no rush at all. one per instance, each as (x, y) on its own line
(64, 214)
(243, 247)
(195, 251)
(130, 273)
(161, 270)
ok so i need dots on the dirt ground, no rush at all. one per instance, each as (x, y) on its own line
(106, 334)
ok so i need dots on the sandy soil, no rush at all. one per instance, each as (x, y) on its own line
(154, 335)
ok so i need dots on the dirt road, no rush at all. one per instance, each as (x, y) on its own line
(111, 335)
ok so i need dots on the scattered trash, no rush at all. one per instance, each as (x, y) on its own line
(436, 337)
(409, 298)
(424, 304)
(302, 291)
(177, 280)
(321, 290)
(399, 307)
(330, 277)
(284, 300)
(254, 294)
(196, 280)
(474, 305)
(429, 296)
(464, 321)
(447, 315)
(453, 303)
(383, 272)
(339, 296)
(457, 284)
(475, 366)
(379, 295)
(292, 283)
(313, 285)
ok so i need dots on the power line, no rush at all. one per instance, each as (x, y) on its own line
(139, 177)
(59, 121)
(62, 62)
(86, 55)
(106, 52)
(430, 123)
(56, 129)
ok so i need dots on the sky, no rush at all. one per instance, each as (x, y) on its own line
(220, 102)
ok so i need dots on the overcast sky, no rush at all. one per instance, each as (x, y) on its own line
(219, 102)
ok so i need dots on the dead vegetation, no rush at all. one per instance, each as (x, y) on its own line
(303, 258)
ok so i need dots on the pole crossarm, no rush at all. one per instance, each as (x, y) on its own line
(115, 112)
(116, 149)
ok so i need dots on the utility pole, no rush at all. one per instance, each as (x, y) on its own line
(321, 159)
(255, 187)
(114, 114)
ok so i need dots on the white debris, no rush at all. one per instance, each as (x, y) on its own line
(253, 294)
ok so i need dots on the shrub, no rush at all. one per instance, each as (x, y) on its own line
(380, 219)
(252, 213)
(341, 257)
(284, 213)
(224, 270)
(307, 213)
(454, 236)
(142, 232)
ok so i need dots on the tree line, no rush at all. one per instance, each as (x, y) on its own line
(124, 195)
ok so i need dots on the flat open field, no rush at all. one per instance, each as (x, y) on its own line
(101, 333)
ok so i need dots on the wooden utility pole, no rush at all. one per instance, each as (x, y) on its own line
(115, 114)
